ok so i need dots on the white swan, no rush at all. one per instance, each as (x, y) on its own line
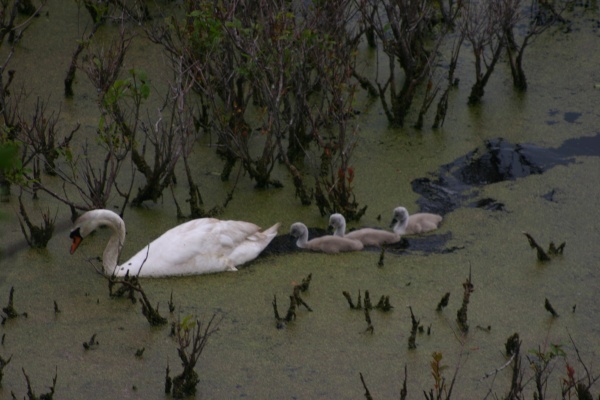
(367, 236)
(326, 244)
(199, 246)
(403, 224)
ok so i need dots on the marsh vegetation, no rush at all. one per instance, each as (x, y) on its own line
(285, 111)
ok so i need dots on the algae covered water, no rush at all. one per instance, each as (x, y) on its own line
(517, 163)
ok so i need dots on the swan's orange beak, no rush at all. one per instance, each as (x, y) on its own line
(76, 243)
(76, 240)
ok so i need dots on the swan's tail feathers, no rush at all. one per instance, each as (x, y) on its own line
(272, 231)
(265, 236)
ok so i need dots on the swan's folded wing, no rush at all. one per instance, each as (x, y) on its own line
(230, 234)
(202, 246)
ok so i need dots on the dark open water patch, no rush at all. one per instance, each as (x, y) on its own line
(286, 243)
(430, 243)
(457, 184)
(571, 117)
(583, 146)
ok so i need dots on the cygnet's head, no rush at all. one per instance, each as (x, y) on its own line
(400, 216)
(297, 229)
(336, 221)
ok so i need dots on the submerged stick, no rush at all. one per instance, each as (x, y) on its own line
(299, 299)
(3, 363)
(381, 257)
(10, 310)
(31, 394)
(367, 393)
(368, 305)
(461, 314)
(171, 304)
(443, 302)
(131, 285)
(349, 299)
(279, 322)
(370, 327)
(550, 309)
(541, 254)
(412, 339)
(305, 283)
(359, 302)
(291, 313)
(553, 250)
(191, 338)
(512, 344)
(168, 381)
(295, 301)
(92, 343)
(275, 311)
(151, 313)
(384, 304)
(404, 391)
(358, 306)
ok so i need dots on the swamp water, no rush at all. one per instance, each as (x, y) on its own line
(321, 353)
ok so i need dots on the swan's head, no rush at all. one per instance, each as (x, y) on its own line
(77, 238)
(88, 222)
(81, 229)
(400, 217)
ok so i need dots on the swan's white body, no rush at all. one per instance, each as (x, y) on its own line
(325, 244)
(200, 246)
(367, 236)
(403, 224)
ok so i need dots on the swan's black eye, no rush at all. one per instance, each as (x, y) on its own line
(75, 233)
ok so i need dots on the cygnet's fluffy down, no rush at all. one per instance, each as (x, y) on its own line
(367, 236)
(325, 244)
(403, 224)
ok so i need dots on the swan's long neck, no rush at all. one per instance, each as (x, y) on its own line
(112, 251)
(110, 257)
